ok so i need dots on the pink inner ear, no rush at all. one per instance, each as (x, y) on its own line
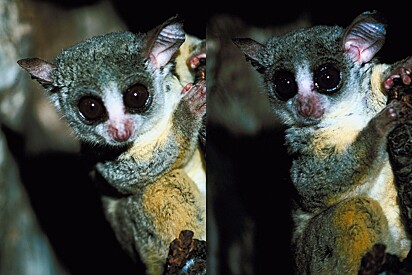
(161, 57)
(353, 51)
(38, 69)
(45, 71)
(362, 52)
(364, 37)
(167, 43)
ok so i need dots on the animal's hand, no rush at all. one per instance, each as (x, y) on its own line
(195, 98)
(401, 71)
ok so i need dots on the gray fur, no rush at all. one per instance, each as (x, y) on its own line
(105, 67)
(88, 68)
(330, 175)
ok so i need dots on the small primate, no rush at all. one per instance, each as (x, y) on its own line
(330, 91)
(132, 102)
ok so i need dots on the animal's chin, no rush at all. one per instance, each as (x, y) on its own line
(114, 150)
(103, 150)
(119, 144)
(306, 121)
(112, 141)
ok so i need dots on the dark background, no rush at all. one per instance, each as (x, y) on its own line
(249, 174)
(64, 199)
(141, 17)
(397, 14)
(72, 216)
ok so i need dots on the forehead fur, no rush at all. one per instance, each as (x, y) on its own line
(110, 54)
(296, 46)
(103, 45)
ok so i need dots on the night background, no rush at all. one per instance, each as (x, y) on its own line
(247, 165)
(248, 187)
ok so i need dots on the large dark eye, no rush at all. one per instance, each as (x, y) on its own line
(327, 78)
(285, 85)
(137, 98)
(91, 108)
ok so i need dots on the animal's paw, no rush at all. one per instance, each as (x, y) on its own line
(197, 62)
(390, 117)
(195, 97)
(401, 73)
(197, 57)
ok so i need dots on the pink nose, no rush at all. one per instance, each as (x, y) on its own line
(121, 132)
(121, 135)
(309, 106)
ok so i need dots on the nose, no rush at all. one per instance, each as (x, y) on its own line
(121, 132)
(309, 105)
(121, 136)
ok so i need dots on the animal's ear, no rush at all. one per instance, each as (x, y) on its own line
(162, 42)
(39, 69)
(365, 36)
(250, 49)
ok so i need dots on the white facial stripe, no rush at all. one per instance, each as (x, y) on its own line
(304, 79)
(113, 101)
